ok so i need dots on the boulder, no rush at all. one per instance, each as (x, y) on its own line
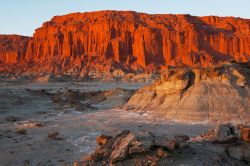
(161, 152)
(121, 148)
(223, 133)
(30, 124)
(144, 141)
(126, 143)
(167, 143)
(245, 133)
(137, 147)
(54, 135)
(104, 152)
(21, 131)
(181, 138)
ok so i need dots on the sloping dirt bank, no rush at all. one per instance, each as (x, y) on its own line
(219, 94)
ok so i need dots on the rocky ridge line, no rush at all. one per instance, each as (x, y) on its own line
(93, 44)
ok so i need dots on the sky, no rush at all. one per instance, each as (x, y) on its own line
(24, 16)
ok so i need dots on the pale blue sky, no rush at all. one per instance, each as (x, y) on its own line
(23, 16)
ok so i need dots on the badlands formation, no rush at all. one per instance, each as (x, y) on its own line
(127, 88)
(218, 94)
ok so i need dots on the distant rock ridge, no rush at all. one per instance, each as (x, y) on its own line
(80, 44)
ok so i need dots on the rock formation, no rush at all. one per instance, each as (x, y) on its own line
(197, 94)
(12, 50)
(144, 148)
(95, 43)
(126, 144)
(229, 135)
(225, 133)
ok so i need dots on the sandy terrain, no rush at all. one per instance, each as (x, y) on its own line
(32, 107)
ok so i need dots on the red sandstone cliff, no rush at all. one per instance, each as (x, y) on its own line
(13, 48)
(12, 51)
(81, 42)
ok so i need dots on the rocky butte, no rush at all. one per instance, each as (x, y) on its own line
(96, 43)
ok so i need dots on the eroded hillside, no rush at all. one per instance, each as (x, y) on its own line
(197, 94)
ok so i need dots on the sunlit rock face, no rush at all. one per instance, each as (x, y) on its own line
(197, 94)
(12, 52)
(96, 42)
(13, 48)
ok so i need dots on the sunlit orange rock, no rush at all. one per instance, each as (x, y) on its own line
(82, 43)
(245, 132)
(13, 48)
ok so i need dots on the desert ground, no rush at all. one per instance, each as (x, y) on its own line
(184, 117)
(35, 107)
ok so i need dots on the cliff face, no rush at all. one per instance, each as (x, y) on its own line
(83, 42)
(12, 48)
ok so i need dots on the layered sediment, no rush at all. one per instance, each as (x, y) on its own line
(218, 94)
